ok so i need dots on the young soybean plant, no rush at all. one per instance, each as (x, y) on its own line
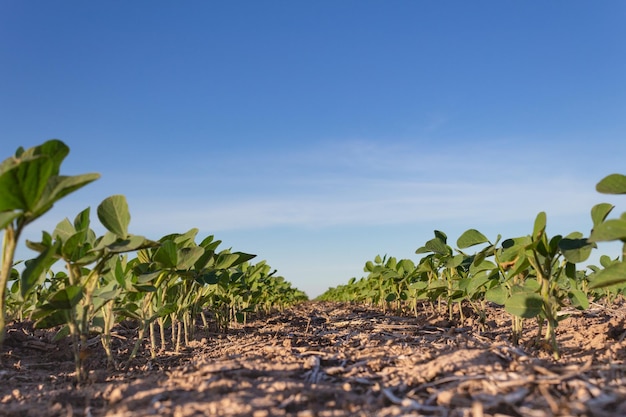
(536, 280)
(30, 184)
(609, 230)
(88, 259)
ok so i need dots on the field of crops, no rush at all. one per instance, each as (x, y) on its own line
(123, 325)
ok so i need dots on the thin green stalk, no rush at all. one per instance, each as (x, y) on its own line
(9, 245)
(144, 325)
(162, 333)
(179, 334)
(153, 342)
(107, 314)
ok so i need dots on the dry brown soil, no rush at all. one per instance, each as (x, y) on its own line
(326, 359)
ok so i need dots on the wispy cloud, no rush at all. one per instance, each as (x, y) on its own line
(357, 202)
(354, 183)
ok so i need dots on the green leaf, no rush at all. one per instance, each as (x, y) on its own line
(484, 265)
(611, 275)
(575, 248)
(60, 186)
(30, 181)
(130, 244)
(114, 215)
(22, 186)
(455, 261)
(36, 269)
(227, 260)
(46, 319)
(165, 310)
(81, 221)
(612, 184)
(540, 225)
(477, 281)
(497, 294)
(471, 237)
(7, 217)
(104, 241)
(65, 299)
(579, 299)
(606, 261)
(438, 246)
(570, 270)
(209, 244)
(524, 304)
(187, 239)
(614, 229)
(46, 242)
(210, 277)
(422, 249)
(71, 249)
(64, 230)
(599, 212)
(188, 256)
(54, 149)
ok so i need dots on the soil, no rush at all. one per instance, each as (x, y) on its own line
(329, 359)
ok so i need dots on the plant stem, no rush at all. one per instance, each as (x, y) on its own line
(152, 340)
(9, 243)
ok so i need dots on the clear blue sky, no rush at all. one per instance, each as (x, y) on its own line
(320, 134)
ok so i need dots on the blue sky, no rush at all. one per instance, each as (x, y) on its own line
(320, 134)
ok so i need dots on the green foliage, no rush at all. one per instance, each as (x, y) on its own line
(609, 230)
(30, 184)
(531, 276)
(170, 282)
(612, 184)
(79, 300)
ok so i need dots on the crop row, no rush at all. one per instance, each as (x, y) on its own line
(165, 285)
(532, 276)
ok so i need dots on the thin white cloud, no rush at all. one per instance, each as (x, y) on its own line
(363, 183)
(378, 203)
(358, 183)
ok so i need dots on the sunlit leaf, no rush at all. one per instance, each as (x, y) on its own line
(36, 268)
(114, 215)
(496, 295)
(188, 256)
(579, 299)
(60, 186)
(599, 212)
(540, 225)
(575, 248)
(614, 229)
(611, 275)
(524, 304)
(612, 184)
(82, 221)
(438, 246)
(471, 237)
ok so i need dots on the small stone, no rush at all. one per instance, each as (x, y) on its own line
(116, 395)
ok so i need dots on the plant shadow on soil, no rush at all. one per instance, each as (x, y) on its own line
(331, 359)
